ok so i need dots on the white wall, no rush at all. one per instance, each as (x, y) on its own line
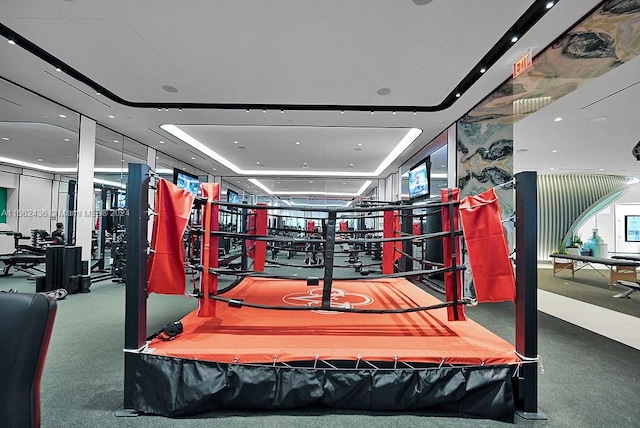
(610, 223)
(34, 204)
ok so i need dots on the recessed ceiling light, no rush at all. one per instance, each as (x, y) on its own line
(5, 138)
(551, 169)
(341, 111)
(598, 119)
(350, 164)
(601, 169)
(192, 158)
(115, 141)
(157, 157)
(557, 119)
(62, 116)
(359, 144)
(184, 168)
(304, 163)
(235, 142)
(549, 5)
(58, 69)
(458, 95)
(40, 160)
(11, 42)
(514, 39)
(482, 70)
(161, 142)
(443, 166)
(394, 112)
(554, 151)
(111, 116)
(66, 139)
(372, 111)
(98, 93)
(298, 142)
(257, 162)
(310, 181)
(281, 111)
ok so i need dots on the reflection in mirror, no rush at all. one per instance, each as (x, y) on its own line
(166, 165)
(437, 170)
(38, 163)
(113, 153)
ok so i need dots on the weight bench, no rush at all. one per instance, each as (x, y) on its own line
(632, 288)
(24, 262)
(619, 269)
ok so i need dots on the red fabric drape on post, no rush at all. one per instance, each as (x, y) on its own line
(397, 246)
(165, 271)
(387, 247)
(209, 253)
(452, 280)
(492, 270)
(260, 255)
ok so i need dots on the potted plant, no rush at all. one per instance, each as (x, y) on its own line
(574, 245)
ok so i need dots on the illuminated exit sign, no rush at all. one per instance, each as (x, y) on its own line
(522, 64)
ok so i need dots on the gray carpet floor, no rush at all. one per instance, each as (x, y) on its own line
(588, 380)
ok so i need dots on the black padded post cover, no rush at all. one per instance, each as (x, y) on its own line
(28, 321)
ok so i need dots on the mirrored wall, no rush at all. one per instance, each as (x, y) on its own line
(38, 164)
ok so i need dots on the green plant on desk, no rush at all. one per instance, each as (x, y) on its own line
(575, 242)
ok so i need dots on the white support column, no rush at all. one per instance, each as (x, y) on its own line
(86, 164)
(452, 157)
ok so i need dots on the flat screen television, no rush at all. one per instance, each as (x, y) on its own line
(233, 197)
(632, 228)
(419, 180)
(186, 181)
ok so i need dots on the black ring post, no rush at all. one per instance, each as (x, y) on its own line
(244, 227)
(330, 241)
(526, 292)
(406, 226)
(135, 318)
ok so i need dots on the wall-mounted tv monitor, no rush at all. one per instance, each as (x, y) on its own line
(186, 181)
(632, 228)
(233, 197)
(419, 180)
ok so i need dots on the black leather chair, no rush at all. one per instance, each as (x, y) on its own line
(26, 321)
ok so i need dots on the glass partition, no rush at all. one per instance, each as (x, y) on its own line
(38, 167)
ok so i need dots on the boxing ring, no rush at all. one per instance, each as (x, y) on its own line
(371, 340)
